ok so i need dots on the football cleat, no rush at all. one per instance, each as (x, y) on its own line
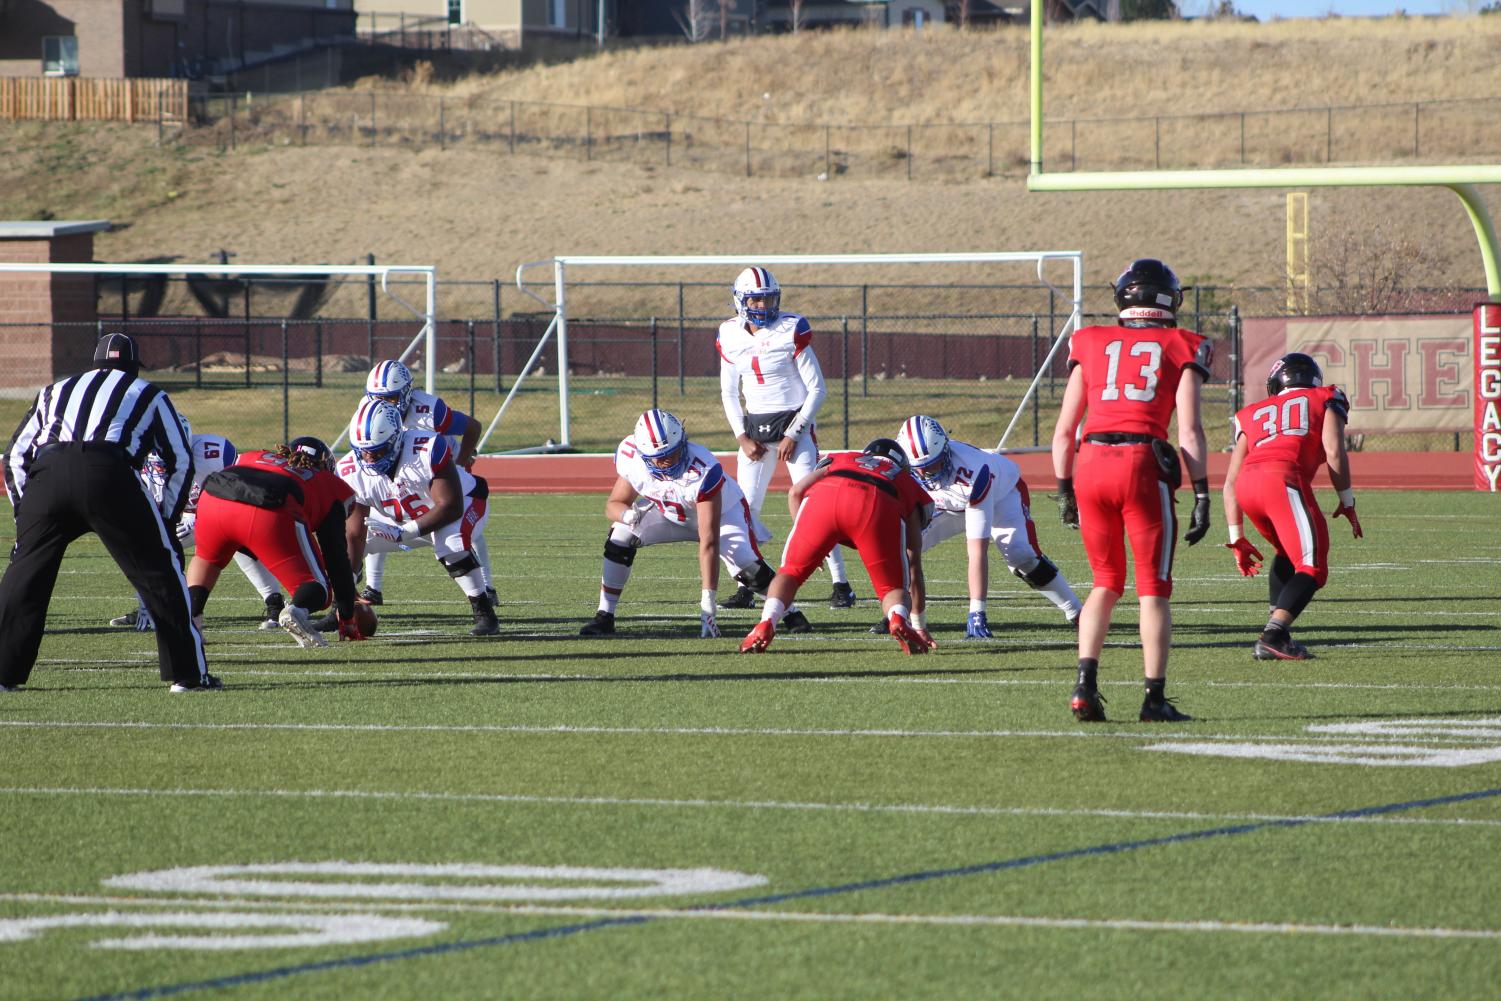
(796, 622)
(743, 597)
(485, 622)
(843, 596)
(880, 629)
(489, 593)
(294, 620)
(372, 596)
(1281, 646)
(906, 637)
(210, 683)
(759, 638)
(328, 624)
(128, 619)
(1087, 704)
(603, 624)
(274, 605)
(978, 627)
(1162, 712)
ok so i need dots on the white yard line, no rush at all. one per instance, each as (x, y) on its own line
(797, 917)
(920, 809)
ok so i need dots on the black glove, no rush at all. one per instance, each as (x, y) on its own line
(1198, 522)
(1068, 505)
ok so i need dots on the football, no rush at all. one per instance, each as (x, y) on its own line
(364, 614)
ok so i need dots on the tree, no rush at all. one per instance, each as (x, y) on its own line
(694, 20)
(795, 13)
(1148, 10)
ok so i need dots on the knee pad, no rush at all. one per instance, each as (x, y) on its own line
(1039, 574)
(758, 578)
(459, 564)
(617, 553)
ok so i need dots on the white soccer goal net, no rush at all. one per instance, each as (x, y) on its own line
(643, 327)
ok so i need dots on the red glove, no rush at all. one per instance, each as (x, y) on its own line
(1349, 512)
(349, 629)
(1247, 557)
(927, 639)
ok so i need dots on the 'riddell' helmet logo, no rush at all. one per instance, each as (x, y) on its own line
(1146, 313)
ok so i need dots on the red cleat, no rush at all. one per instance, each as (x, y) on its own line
(759, 638)
(909, 639)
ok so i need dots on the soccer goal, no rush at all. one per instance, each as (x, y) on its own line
(922, 292)
(386, 276)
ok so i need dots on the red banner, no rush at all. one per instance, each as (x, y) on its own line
(1487, 395)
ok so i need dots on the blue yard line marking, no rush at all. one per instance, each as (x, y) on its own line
(563, 931)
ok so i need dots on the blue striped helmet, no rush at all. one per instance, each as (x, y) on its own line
(927, 446)
(758, 283)
(391, 381)
(662, 443)
(375, 436)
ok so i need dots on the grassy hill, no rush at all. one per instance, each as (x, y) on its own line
(476, 214)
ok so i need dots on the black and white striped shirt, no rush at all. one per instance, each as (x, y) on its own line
(106, 405)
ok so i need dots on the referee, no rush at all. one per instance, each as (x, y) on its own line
(74, 467)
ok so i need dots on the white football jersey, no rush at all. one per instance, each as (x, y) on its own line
(775, 367)
(426, 412)
(980, 479)
(407, 492)
(678, 499)
(211, 453)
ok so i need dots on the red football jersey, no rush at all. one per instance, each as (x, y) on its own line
(1132, 374)
(909, 493)
(1289, 428)
(321, 490)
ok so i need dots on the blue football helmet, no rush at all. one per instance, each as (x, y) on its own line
(375, 436)
(758, 283)
(662, 444)
(927, 446)
(391, 381)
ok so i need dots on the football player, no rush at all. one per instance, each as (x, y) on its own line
(211, 453)
(391, 381)
(868, 500)
(287, 507)
(767, 353)
(1280, 443)
(423, 496)
(1130, 377)
(670, 489)
(983, 495)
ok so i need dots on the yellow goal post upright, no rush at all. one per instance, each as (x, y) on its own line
(731, 264)
(1459, 178)
(426, 336)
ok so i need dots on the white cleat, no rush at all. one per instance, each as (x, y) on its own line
(295, 621)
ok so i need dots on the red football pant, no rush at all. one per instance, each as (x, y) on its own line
(1284, 511)
(278, 537)
(1122, 496)
(840, 511)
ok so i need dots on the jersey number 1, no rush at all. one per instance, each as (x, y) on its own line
(1152, 352)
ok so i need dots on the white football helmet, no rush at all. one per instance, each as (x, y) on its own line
(927, 446)
(375, 436)
(758, 283)
(662, 443)
(391, 381)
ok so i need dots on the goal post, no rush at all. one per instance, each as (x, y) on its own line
(426, 313)
(566, 268)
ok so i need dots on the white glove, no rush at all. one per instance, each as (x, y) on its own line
(631, 516)
(409, 532)
(185, 527)
(383, 530)
(708, 628)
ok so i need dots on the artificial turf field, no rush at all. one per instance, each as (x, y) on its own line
(652, 816)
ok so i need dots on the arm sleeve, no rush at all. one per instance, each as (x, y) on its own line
(729, 395)
(176, 451)
(818, 390)
(330, 535)
(18, 457)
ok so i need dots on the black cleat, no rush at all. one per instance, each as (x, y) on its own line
(372, 596)
(603, 624)
(743, 597)
(1088, 705)
(329, 623)
(485, 623)
(494, 598)
(880, 629)
(1162, 712)
(795, 622)
(1279, 646)
(209, 683)
(843, 596)
(274, 605)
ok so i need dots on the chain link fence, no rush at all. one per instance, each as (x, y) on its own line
(1458, 130)
(259, 371)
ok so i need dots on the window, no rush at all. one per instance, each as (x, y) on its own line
(455, 11)
(60, 55)
(557, 14)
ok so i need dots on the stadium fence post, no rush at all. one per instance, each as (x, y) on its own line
(653, 336)
(318, 354)
(495, 330)
(844, 369)
(286, 390)
(469, 362)
(1036, 404)
(864, 340)
(682, 382)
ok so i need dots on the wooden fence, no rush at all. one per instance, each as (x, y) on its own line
(83, 98)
